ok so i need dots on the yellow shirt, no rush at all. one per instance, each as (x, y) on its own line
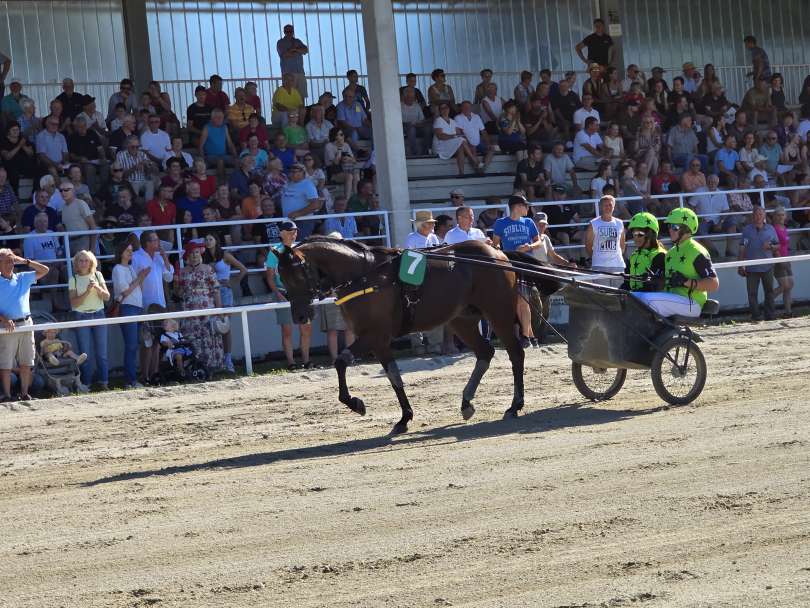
(93, 301)
(289, 99)
(238, 115)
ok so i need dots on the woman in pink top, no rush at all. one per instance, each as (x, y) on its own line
(782, 271)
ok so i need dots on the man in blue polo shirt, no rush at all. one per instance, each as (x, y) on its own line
(15, 312)
(300, 198)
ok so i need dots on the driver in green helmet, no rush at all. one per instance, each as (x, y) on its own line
(688, 272)
(646, 266)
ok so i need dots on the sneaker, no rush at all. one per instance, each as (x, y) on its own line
(25, 397)
(82, 358)
(535, 342)
(83, 388)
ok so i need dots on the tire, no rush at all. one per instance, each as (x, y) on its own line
(585, 381)
(666, 377)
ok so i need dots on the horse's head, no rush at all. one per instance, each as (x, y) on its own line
(300, 279)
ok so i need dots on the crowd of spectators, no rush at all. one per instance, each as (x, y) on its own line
(146, 164)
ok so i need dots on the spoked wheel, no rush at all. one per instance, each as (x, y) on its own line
(598, 383)
(681, 380)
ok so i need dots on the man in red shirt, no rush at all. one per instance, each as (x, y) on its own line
(251, 89)
(216, 97)
(162, 210)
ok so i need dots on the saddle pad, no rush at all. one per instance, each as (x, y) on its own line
(412, 267)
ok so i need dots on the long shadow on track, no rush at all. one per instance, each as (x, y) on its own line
(565, 416)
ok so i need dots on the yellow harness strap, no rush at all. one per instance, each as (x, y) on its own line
(355, 294)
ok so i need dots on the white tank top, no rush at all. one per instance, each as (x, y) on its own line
(606, 251)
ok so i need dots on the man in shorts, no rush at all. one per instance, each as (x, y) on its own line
(15, 287)
(288, 232)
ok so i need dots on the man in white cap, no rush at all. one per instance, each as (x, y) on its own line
(457, 197)
(423, 235)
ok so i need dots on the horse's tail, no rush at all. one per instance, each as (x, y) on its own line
(546, 285)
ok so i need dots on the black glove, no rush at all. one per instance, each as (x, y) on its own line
(677, 279)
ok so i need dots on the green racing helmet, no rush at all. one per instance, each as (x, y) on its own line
(644, 220)
(683, 216)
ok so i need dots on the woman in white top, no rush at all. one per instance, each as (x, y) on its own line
(491, 109)
(88, 293)
(129, 297)
(340, 163)
(449, 141)
(604, 239)
(603, 177)
(318, 178)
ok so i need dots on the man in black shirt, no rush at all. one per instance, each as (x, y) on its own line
(198, 115)
(128, 127)
(72, 102)
(564, 103)
(267, 233)
(599, 46)
(85, 148)
(530, 176)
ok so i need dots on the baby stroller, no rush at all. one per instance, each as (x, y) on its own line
(192, 368)
(60, 379)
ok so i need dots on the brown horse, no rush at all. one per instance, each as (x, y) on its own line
(378, 307)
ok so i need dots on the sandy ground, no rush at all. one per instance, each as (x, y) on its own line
(267, 492)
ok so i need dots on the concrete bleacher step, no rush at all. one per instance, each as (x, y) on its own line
(431, 166)
(478, 187)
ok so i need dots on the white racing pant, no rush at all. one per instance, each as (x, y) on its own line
(668, 304)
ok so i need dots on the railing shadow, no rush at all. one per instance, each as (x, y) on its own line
(566, 416)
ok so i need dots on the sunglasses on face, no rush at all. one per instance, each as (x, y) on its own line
(65, 189)
(456, 196)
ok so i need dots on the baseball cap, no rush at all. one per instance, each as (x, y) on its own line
(541, 217)
(287, 226)
(518, 199)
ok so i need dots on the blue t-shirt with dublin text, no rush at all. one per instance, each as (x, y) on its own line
(514, 233)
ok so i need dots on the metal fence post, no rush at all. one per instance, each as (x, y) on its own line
(68, 260)
(179, 240)
(762, 198)
(246, 343)
(387, 230)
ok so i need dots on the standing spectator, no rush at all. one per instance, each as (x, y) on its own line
(288, 233)
(417, 128)
(589, 149)
(778, 100)
(760, 65)
(216, 145)
(198, 115)
(300, 198)
(559, 166)
(128, 295)
(291, 51)
(5, 66)
(448, 141)
(599, 44)
(77, 216)
(360, 92)
(124, 96)
(198, 289)
(605, 239)
(215, 97)
(440, 91)
(17, 348)
(782, 271)
(464, 231)
(423, 235)
(8, 200)
(52, 147)
(137, 168)
(758, 242)
(531, 177)
(88, 293)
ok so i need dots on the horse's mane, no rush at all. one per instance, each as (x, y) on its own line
(357, 246)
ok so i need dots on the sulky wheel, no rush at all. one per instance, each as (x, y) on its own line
(680, 380)
(597, 383)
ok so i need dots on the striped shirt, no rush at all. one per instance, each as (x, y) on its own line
(127, 161)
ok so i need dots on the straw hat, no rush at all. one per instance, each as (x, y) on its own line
(423, 217)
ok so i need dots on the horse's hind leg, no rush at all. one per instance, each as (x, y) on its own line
(504, 329)
(467, 330)
(343, 360)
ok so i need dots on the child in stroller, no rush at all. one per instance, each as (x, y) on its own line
(178, 352)
(52, 349)
(59, 365)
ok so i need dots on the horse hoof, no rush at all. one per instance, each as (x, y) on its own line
(399, 428)
(467, 410)
(511, 414)
(357, 405)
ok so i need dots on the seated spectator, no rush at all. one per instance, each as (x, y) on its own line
(239, 113)
(8, 200)
(240, 178)
(365, 200)
(630, 188)
(603, 177)
(771, 151)
(108, 193)
(614, 142)
(785, 129)
(593, 83)
(284, 153)
(715, 137)
(480, 88)
(562, 214)
(176, 152)
(740, 127)
(511, 131)
(709, 206)
(410, 82)
(77, 216)
(449, 142)
(274, 180)
(39, 206)
(226, 204)
(417, 128)
(585, 112)
(488, 217)
(17, 155)
(523, 90)
(259, 154)
(440, 91)
(794, 153)
(72, 102)
(266, 233)
(138, 169)
(318, 177)
(589, 149)
(123, 213)
(648, 143)
(199, 174)
(129, 127)
(286, 99)
(254, 128)
(345, 225)
(318, 131)
(714, 104)
(726, 160)
(215, 97)
(749, 155)
(360, 93)
(757, 102)
(198, 115)
(664, 180)
(538, 119)
(10, 104)
(250, 204)
(45, 247)
(192, 202)
(120, 113)
(30, 123)
(474, 131)
(353, 120)
(123, 96)
(88, 293)
(76, 177)
(155, 142)
(491, 108)
(162, 210)
(531, 177)
(216, 145)
(559, 167)
(611, 94)
(296, 135)
(682, 143)
(339, 161)
(86, 148)
(93, 118)
(52, 148)
(300, 198)
(252, 97)
(325, 101)
(693, 178)
(564, 103)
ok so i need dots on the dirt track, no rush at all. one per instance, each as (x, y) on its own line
(267, 492)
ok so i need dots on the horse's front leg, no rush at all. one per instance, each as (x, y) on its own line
(392, 371)
(346, 358)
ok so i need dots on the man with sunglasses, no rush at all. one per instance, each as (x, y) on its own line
(77, 216)
(688, 272)
(457, 197)
(124, 96)
(291, 53)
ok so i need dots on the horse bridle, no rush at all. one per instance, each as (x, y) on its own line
(319, 287)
